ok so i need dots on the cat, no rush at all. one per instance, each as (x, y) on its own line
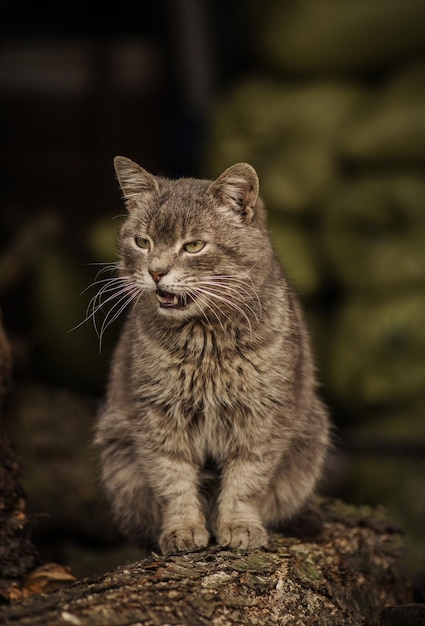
(212, 426)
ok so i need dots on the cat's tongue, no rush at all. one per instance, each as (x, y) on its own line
(170, 300)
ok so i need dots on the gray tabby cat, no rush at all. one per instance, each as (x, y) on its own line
(211, 423)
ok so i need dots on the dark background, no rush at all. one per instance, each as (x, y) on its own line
(327, 101)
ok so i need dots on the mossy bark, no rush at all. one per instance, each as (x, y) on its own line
(346, 576)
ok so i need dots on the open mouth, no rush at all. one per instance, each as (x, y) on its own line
(168, 300)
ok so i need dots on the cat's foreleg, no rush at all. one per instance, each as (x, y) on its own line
(239, 523)
(154, 496)
(175, 483)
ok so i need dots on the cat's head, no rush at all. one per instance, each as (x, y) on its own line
(194, 247)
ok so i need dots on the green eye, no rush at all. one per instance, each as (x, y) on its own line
(143, 243)
(194, 246)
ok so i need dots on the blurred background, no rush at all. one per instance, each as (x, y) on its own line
(326, 99)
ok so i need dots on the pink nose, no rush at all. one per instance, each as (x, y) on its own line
(156, 275)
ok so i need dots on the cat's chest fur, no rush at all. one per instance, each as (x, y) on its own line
(211, 388)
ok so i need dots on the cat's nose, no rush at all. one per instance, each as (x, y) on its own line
(157, 274)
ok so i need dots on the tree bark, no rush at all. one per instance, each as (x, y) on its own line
(346, 576)
(17, 552)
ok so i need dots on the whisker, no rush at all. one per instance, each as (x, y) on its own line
(127, 292)
(248, 289)
(97, 303)
(243, 279)
(200, 296)
(99, 282)
(131, 295)
(121, 291)
(229, 302)
(108, 267)
(201, 310)
(232, 290)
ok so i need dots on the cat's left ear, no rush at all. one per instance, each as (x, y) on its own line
(237, 188)
(133, 179)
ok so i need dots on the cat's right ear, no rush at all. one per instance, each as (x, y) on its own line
(237, 188)
(133, 179)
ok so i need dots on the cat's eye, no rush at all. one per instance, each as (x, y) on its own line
(194, 246)
(142, 242)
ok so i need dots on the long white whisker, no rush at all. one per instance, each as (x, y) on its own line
(126, 294)
(118, 290)
(119, 306)
(108, 285)
(243, 279)
(108, 268)
(223, 279)
(103, 280)
(207, 302)
(201, 310)
(98, 304)
(229, 302)
(223, 287)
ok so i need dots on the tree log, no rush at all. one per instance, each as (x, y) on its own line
(346, 576)
(17, 552)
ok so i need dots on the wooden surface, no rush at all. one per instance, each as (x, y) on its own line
(346, 576)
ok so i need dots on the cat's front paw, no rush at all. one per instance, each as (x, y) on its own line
(241, 535)
(183, 539)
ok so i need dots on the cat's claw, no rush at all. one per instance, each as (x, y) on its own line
(183, 539)
(242, 536)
